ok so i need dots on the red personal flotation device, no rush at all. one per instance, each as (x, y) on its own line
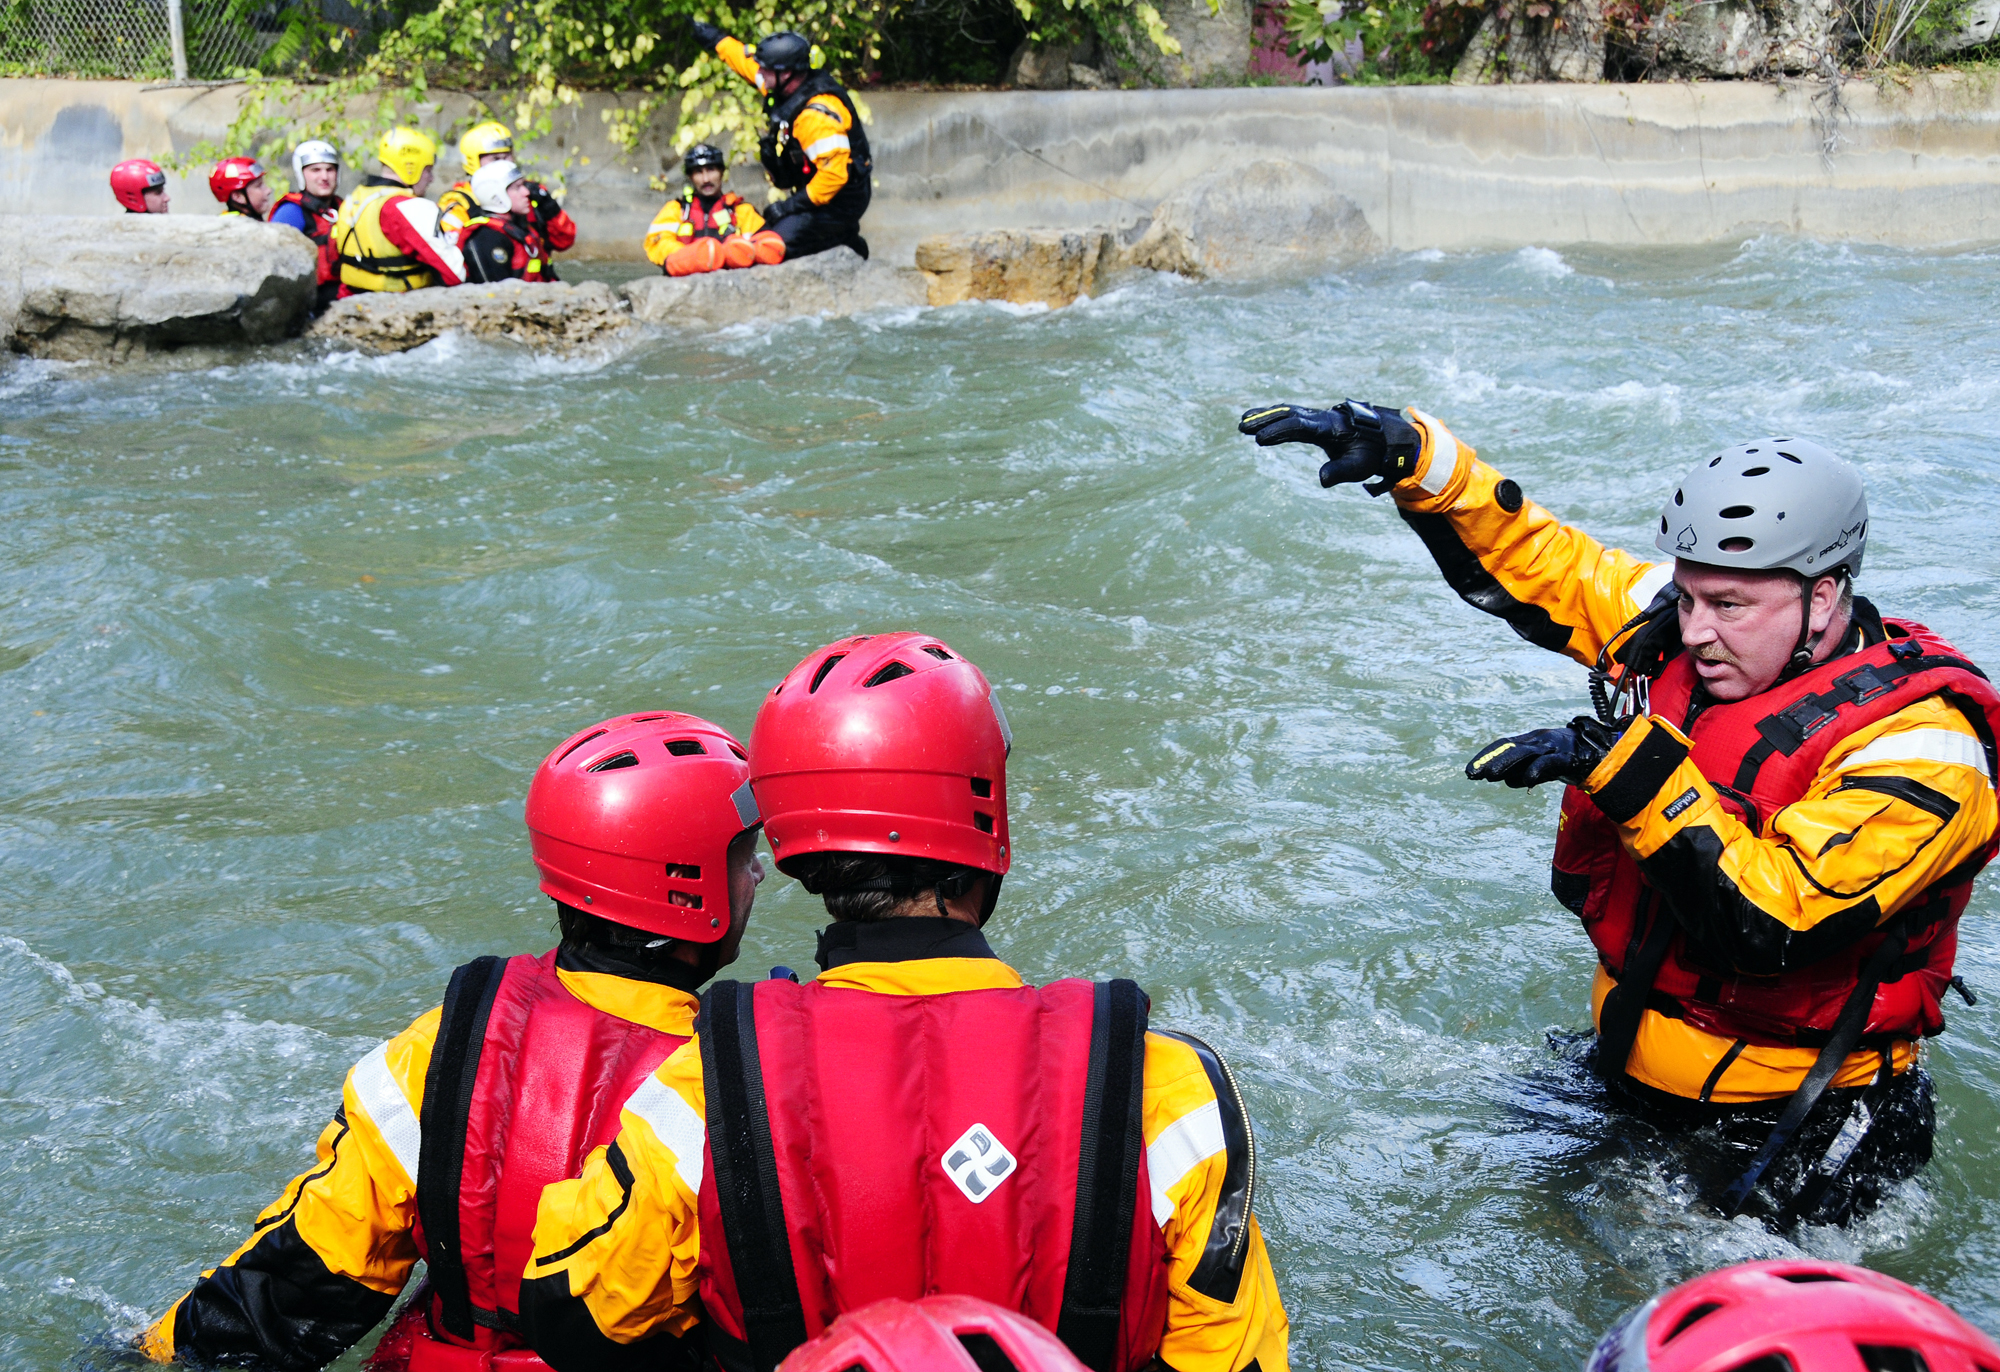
(1762, 754)
(525, 1080)
(715, 220)
(320, 215)
(528, 255)
(863, 1146)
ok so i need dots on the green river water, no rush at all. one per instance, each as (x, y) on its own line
(281, 642)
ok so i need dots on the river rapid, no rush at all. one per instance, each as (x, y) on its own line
(282, 641)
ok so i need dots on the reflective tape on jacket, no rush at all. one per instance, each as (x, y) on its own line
(375, 1087)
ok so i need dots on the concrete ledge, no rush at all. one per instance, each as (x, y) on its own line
(1427, 166)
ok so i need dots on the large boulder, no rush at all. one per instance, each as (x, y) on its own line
(835, 283)
(1263, 220)
(109, 288)
(561, 316)
(1022, 266)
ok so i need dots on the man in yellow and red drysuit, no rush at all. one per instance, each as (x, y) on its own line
(644, 831)
(813, 147)
(916, 1119)
(386, 236)
(1773, 819)
(707, 228)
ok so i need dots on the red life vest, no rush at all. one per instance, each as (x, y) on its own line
(910, 1145)
(529, 257)
(717, 220)
(319, 222)
(525, 1080)
(1762, 754)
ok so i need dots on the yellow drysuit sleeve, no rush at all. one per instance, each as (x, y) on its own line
(327, 1258)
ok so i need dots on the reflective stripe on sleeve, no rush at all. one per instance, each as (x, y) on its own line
(1181, 1147)
(1922, 745)
(676, 1125)
(833, 142)
(1444, 454)
(376, 1089)
(1648, 586)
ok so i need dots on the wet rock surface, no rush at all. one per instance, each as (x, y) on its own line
(111, 288)
(831, 284)
(1023, 266)
(559, 315)
(1267, 219)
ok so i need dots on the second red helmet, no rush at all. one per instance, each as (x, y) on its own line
(935, 1334)
(886, 743)
(1800, 1315)
(231, 175)
(631, 820)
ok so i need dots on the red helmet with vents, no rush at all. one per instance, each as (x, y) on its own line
(233, 174)
(886, 743)
(132, 178)
(1794, 1316)
(632, 820)
(935, 1334)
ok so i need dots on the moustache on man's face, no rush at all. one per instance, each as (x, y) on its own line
(1715, 652)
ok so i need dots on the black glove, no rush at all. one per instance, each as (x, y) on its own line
(1568, 754)
(1361, 442)
(707, 34)
(796, 203)
(767, 147)
(543, 204)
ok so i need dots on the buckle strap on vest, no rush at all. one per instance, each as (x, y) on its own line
(1107, 1176)
(448, 1086)
(1844, 1039)
(1787, 730)
(746, 1176)
(1618, 1020)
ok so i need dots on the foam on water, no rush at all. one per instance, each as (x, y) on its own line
(287, 637)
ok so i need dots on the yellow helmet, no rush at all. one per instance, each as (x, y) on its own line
(406, 152)
(481, 139)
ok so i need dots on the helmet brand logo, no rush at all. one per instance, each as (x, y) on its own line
(1685, 540)
(977, 1163)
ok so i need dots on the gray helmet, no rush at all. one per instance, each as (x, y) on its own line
(311, 153)
(1775, 502)
(785, 51)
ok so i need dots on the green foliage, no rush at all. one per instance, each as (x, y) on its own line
(1404, 41)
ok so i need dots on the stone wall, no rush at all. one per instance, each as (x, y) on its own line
(1425, 166)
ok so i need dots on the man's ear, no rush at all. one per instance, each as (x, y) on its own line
(1825, 599)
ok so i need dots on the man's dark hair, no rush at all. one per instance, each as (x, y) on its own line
(639, 948)
(865, 887)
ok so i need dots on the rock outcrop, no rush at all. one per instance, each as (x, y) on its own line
(1511, 45)
(830, 284)
(1267, 219)
(109, 288)
(1743, 37)
(1023, 266)
(561, 316)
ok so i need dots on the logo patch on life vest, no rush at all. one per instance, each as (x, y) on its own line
(1681, 803)
(977, 1163)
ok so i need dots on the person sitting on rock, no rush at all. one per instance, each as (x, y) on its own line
(386, 236)
(140, 186)
(482, 145)
(503, 242)
(312, 207)
(238, 182)
(814, 146)
(707, 227)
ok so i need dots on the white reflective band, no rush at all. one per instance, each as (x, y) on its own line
(833, 142)
(375, 1087)
(1444, 454)
(1923, 745)
(1648, 586)
(745, 802)
(1181, 1147)
(676, 1125)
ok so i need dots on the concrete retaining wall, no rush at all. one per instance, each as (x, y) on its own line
(1430, 166)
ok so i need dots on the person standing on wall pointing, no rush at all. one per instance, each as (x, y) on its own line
(1775, 816)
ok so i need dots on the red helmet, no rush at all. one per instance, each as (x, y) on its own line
(131, 179)
(890, 743)
(632, 820)
(1805, 1315)
(935, 1334)
(232, 175)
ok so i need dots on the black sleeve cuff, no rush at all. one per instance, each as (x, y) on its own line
(1646, 769)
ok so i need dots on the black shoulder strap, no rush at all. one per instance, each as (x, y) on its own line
(1107, 1176)
(1624, 1009)
(746, 1175)
(441, 1150)
(1219, 1274)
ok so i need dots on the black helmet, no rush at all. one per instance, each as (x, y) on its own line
(702, 155)
(785, 52)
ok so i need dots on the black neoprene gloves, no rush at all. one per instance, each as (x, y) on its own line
(1568, 754)
(1362, 442)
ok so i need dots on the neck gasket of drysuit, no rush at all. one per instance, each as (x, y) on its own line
(907, 939)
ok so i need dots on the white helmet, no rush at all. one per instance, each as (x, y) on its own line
(490, 183)
(312, 153)
(1776, 502)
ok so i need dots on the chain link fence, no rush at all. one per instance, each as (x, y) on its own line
(134, 39)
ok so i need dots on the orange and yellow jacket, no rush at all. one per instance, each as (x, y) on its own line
(325, 1261)
(616, 1250)
(823, 129)
(673, 227)
(1561, 589)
